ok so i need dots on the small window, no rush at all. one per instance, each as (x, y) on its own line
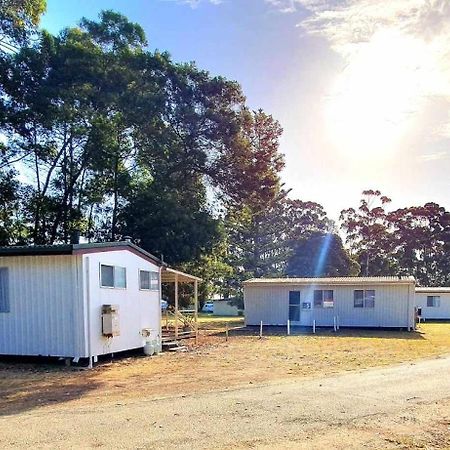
(433, 301)
(113, 276)
(294, 306)
(323, 298)
(4, 290)
(318, 299)
(364, 298)
(148, 281)
(369, 299)
(358, 299)
(328, 299)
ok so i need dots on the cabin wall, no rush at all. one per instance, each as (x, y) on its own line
(433, 312)
(46, 311)
(138, 309)
(270, 304)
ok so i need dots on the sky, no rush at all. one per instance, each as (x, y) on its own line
(361, 88)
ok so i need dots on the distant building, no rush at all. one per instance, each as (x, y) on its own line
(351, 301)
(433, 302)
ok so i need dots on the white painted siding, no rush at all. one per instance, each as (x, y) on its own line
(270, 304)
(223, 308)
(137, 309)
(441, 312)
(46, 314)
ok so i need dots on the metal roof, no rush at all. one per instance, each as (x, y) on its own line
(170, 275)
(332, 280)
(71, 249)
(433, 290)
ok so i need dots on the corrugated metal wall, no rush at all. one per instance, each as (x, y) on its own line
(269, 304)
(441, 312)
(45, 306)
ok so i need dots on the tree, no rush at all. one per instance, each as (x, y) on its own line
(422, 238)
(369, 236)
(321, 255)
(18, 19)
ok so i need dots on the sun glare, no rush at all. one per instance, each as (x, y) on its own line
(373, 101)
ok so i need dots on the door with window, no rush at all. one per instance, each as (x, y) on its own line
(294, 307)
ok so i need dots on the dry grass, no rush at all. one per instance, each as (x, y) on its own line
(216, 364)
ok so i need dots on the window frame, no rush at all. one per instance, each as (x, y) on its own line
(436, 300)
(150, 280)
(114, 277)
(366, 301)
(323, 298)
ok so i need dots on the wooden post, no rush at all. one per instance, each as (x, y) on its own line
(226, 331)
(176, 306)
(260, 330)
(334, 324)
(196, 310)
(337, 320)
(314, 326)
(288, 327)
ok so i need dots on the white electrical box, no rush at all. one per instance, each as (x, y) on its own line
(110, 320)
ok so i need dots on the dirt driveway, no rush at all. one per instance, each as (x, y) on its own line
(405, 406)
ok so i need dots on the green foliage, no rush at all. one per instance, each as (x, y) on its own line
(321, 255)
(18, 19)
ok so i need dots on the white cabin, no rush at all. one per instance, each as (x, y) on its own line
(433, 302)
(78, 300)
(350, 301)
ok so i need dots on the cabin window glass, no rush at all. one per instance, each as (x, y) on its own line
(4, 290)
(369, 298)
(107, 276)
(144, 280)
(120, 277)
(148, 281)
(154, 281)
(294, 306)
(324, 298)
(364, 298)
(318, 298)
(433, 301)
(328, 299)
(113, 276)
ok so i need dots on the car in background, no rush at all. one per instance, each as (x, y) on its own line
(164, 305)
(208, 307)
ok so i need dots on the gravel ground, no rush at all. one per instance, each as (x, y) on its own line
(404, 406)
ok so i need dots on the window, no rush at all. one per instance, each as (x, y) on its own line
(364, 298)
(323, 298)
(294, 306)
(318, 299)
(113, 276)
(433, 301)
(4, 290)
(148, 281)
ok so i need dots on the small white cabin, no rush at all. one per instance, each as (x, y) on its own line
(79, 300)
(224, 307)
(433, 302)
(351, 301)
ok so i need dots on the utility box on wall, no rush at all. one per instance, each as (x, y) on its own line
(110, 320)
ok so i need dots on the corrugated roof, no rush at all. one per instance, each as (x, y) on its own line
(332, 280)
(70, 249)
(433, 290)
